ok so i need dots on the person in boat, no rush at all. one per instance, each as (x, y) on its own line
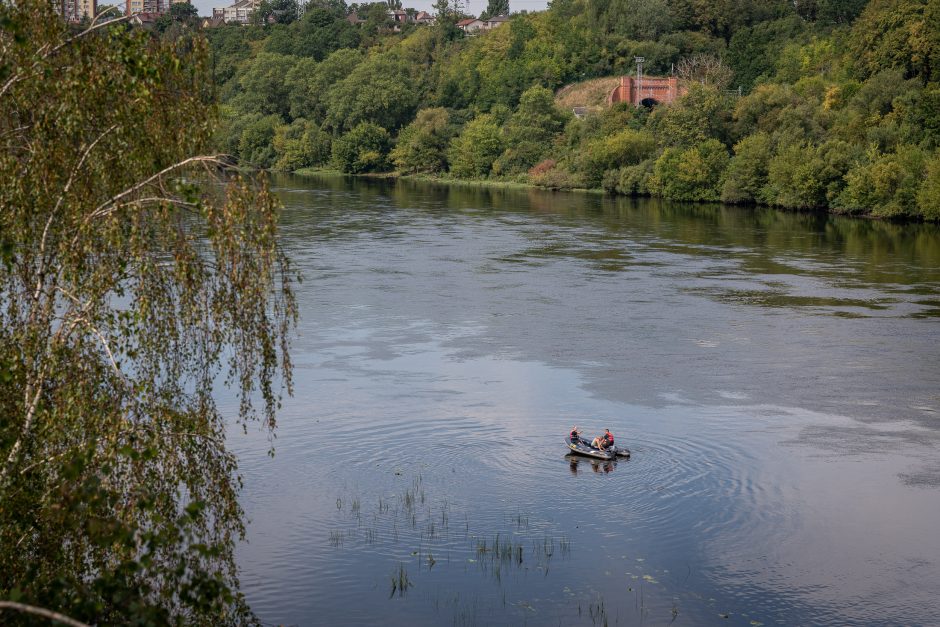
(575, 434)
(604, 441)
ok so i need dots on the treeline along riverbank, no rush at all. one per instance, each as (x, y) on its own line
(821, 104)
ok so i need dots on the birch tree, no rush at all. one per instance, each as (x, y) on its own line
(136, 274)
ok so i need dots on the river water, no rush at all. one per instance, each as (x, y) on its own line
(775, 376)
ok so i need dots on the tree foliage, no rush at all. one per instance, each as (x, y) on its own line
(800, 94)
(362, 149)
(379, 90)
(693, 173)
(128, 290)
(422, 145)
(495, 7)
(901, 34)
(473, 152)
(179, 13)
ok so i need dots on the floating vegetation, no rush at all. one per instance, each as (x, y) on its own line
(546, 547)
(407, 522)
(503, 550)
(400, 581)
(466, 616)
(598, 612)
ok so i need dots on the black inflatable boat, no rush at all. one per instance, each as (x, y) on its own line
(583, 447)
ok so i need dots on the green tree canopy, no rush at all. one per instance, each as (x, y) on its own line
(362, 149)
(473, 152)
(383, 90)
(320, 32)
(898, 34)
(309, 83)
(495, 7)
(128, 291)
(422, 145)
(262, 85)
(180, 13)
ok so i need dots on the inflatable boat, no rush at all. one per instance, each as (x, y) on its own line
(582, 446)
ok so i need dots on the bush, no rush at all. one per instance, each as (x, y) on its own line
(301, 144)
(519, 157)
(631, 180)
(691, 174)
(473, 152)
(761, 109)
(422, 145)
(747, 171)
(255, 143)
(703, 113)
(887, 186)
(542, 167)
(553, 176)
(802, 176)
(363, 149)
(530, 131)
(928, 198)
(627, 147)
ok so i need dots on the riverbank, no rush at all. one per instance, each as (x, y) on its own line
(444, 180)
(519, 185)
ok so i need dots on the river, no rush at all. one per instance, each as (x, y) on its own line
(774, 374)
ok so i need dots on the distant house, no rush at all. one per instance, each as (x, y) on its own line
(156, 7)
(238, 13)
(423, 17)
(495, 21)
(213, 22)
(397, 17)
(147, 21)
(470, 25)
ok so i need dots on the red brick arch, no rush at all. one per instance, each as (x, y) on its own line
(662, 90)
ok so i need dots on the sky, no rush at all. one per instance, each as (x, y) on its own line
(476, 6)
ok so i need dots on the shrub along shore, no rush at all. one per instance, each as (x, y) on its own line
(827, 105)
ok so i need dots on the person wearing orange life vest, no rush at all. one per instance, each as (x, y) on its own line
(575, 435)
(603, 441)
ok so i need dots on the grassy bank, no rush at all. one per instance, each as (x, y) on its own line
(442, 180)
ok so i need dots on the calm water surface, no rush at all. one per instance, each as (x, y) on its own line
(775, 375)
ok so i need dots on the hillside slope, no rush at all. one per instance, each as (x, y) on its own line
(589, 93)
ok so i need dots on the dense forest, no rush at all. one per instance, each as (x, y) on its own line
(801, 104)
